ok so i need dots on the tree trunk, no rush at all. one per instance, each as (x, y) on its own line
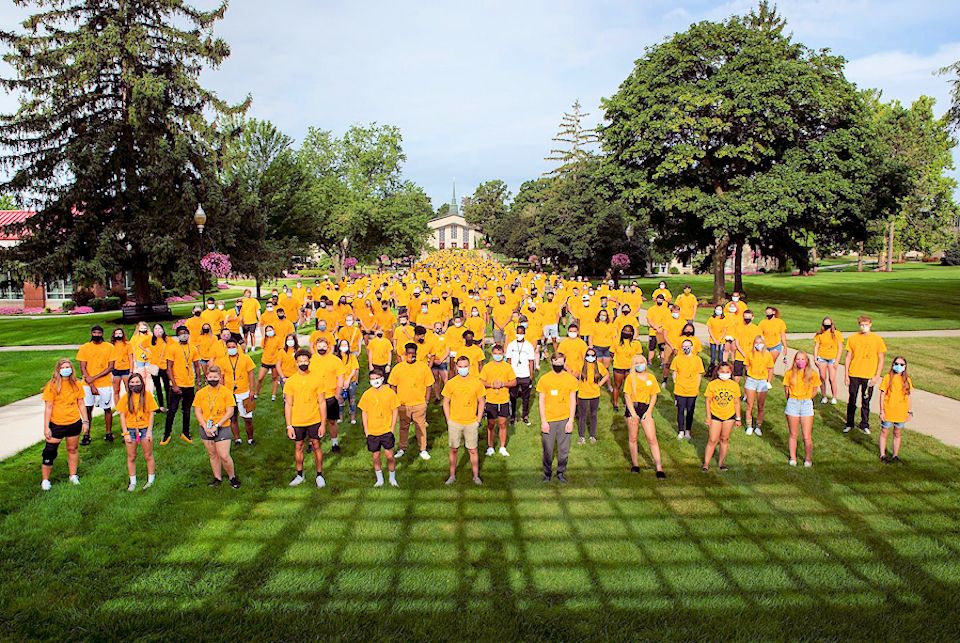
(141, 287)
(718, 264)
(738, 267)
(890, 227)
(860, 258)
(257, 279)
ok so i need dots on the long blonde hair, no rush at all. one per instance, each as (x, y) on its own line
(57, 380)
(808, 370)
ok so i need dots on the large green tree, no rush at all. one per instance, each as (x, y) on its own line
(111, 143)
(732, 133)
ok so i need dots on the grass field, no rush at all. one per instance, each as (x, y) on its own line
(849, 549)
(23, 373)
(933, 361)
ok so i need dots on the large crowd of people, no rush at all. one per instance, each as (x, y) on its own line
(422, 333)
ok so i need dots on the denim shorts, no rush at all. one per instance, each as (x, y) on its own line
(551, 331)
(602, 351)
(892, 425)
(824, 360)
(760, 386)
(778, 348)
(799, 408)
(133, 434)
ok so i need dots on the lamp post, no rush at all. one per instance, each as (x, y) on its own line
(200, 218)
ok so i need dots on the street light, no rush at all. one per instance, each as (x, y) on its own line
(200, 218)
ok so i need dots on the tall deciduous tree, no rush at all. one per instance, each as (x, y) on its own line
(111, 142)
(732, 132)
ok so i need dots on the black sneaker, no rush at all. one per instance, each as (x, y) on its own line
(884, 459)
(724, 467)
(216, 482)
(546, 478)
(634, 469)
(108, 437)
(526, 421)
(561, 478)
(704, 469)
(895, 460)
(335, 449)
(661, 475)
(235, 482)
(85, 440)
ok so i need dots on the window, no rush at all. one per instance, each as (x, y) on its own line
(60, 289)
(443, 235)
(453, 231)
(10, 287)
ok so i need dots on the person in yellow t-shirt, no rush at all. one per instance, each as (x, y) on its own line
(96, 367)
(287, 363)
(864, 363)
(717, 330)
(723, 411)
(758, 365)
(237, 374)
(305, 412)
(557, 401)
(122, 359)
(592, 378)
(412, 380)
(269, 360)
(744, 331)
(687, 369)
(351, 379)
(672, 330)
(213, 315)
(623, 352)
(473, 351)
(827, 344)
(379, 352)
(800, 384)
(688, 304)
(605, 333)
(250, 319)
(64, 418)
(213, 407)
(183, 369)
(206, 346)
(774, 332)
(574, 349)
(498, 378)
(136, 409)
(325, 366)
(640, 391)
(463, 406)
(895, 411)
(379, 411)
(657, 315)
(663, 291)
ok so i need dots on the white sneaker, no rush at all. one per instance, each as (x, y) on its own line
(833, 400)
(132, 486)
(148, 485)
(399, 453)
(477, 481)
(504, 452)
(273, 398)
(45, 485)
(394, 483)
(749, 430)
(865, 430)
(321, 483)
(297, 480)
(823, 400)
(757, 431)
(74, 479)
(581, 441)
(847, 429)
(378, 483)
(680, 435)
(687, 436)
(353, 420)
(593, 440)
(490, 451)
(238, 441)
(807, 464)
(424, 455)
(451, 480)
(792, 463)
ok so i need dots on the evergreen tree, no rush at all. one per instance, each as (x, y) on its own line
(111, 144)
(576, 139)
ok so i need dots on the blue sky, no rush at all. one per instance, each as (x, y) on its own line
(478, 88)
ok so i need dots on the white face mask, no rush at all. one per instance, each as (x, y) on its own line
(344, 348)
(270, 333)
(723, 376)
(735, 298)
(758, 347)
(219, 306)
(349, 322)
(675, 315)
(291, 343)
(475, 313)
(572, 334)
(865, 328)
(377, 383)
(209, 306)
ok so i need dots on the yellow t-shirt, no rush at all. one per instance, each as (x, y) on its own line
(97, 357)
(493, 372)
(411, 382)
(350, 369)
(236, 372)
(771, 330)
(352, 335)
(65, 408)
(476, 357)
(800, 389)
(623, 353)
(465, 394)
(604, 334)
(745, 334)
(687, 370)
(140, 346)
(656, 316)
(205, 346)
(183, 356)
(213, 402)
(667, 296)
(288, 362)
(249, 310)
(214, 318)
(640, 387)
(137, 418)
(120, 355)
(306, 395)
(379, 405)
(590, 390)
(865, 349)
(828, 343)
(574, 349)
(723, 396)
(896, 401)
(556, 389)
(758, 364)
(718, 329)
(378, 351)
(326, 368)
(688, 305)
(271, 350)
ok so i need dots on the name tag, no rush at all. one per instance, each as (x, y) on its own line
(649, 383)
(554, 392)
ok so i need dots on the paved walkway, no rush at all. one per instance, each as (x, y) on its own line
(887, 333)
(40, 347)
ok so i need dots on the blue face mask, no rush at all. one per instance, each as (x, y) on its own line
(231, 351)
(498, 358)
(899, 368)
(66, 371)
(640, 368)
(463, 370)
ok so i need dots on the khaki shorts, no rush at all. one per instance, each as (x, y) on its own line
(467, 434)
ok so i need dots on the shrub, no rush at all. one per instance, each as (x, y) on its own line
(83, 297)
(119, 293)
(105, 303)
(68, 305)
(674, 270)
(951, 257)
(81, 310)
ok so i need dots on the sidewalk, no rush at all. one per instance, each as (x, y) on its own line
(934, 415)
(40, 347)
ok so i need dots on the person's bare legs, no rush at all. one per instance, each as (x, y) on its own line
(633, 426)
(215, 466)
(223, 451)
(650, 432)
(793, 424)
(806, 425)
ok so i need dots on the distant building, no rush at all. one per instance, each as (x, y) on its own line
(451, 230)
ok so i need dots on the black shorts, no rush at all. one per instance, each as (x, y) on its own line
(376, 442)
(333, 409)
(61, 431)
(714, 417)
(639, 407)
(121, 372)
(301, 433)
(237, 337)
(268, 366)
(493, 411)
(738, 369)
(621, 371)
(652, 342)
(249, 328)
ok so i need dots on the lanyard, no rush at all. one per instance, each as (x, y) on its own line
(233, 365)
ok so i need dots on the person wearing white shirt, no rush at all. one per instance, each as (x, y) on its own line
(521, 356)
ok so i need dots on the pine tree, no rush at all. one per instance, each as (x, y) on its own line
(576, 140)
(112, 143)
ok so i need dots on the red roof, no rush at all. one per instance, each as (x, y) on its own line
(8, 217)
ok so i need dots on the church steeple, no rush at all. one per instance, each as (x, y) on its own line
(454, 208)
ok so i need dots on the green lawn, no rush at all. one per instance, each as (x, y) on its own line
(933, 361)
(23, 373)
(761, 552)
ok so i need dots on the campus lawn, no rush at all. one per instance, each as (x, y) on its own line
(23, 373)
(845, 550)
(933, 361)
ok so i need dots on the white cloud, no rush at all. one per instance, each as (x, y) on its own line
(905, 76)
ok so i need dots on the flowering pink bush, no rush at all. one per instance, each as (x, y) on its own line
(175, 299)
(20, 310)
(223, 287)
(350, 262)
(81, 310)
(129, 304)
(217, 264)
(620, 261)
(534, 259)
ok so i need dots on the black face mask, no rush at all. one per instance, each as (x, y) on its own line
(322, 351)
(769, 315)
(557, 368)
(96, 339)
(827, 326)
(303, 367)
(136, 388)
(688, 333)
(213, 383)
(196, 313)
(748, 319)
(205, 331)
